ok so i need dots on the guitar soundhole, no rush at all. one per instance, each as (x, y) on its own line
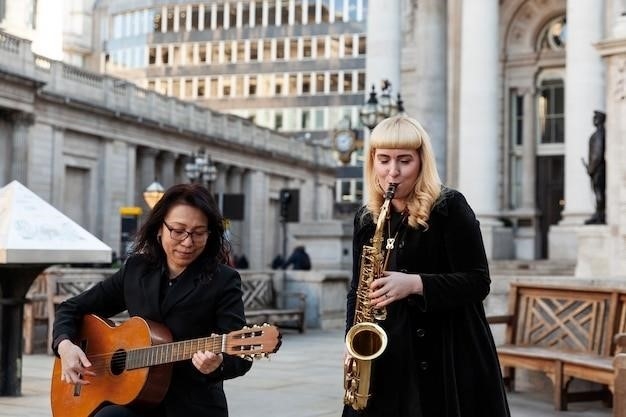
(118, 362)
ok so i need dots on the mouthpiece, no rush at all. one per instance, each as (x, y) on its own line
(391, 190)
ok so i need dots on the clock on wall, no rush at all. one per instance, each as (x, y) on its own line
(344, 142)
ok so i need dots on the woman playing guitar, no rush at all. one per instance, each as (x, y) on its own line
(176, 276)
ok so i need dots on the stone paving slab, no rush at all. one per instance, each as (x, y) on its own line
(303, 379)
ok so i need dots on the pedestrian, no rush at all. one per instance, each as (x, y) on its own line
(440, 359)
(175, 275)
(298, 259)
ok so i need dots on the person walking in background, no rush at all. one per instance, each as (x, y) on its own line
(440, 359)
(299, 259)
(175, 275)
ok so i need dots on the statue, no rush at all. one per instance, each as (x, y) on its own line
(596, 168)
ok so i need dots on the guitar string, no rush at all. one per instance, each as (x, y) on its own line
(100, 362)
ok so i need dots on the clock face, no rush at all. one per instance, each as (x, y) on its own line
(344, 141)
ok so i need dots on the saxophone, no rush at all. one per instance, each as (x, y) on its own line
(366, 340)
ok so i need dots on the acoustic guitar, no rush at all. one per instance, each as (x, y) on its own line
(133, 362)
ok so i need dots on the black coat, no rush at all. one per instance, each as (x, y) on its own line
(441, 359)
(197, 305)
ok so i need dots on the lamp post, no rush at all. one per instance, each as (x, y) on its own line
(201, 169)
(153, 193)
(374, 110)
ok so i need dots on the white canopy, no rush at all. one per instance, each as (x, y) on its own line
(32, 231)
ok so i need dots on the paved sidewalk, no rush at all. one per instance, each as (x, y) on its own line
(303, 379)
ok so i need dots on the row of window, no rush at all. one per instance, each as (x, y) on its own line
(193, 17)
(295, 119)
(226, 52)
(263, 85)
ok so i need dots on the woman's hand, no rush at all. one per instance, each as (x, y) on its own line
(74, 363)
(393, 286)
(206, 362)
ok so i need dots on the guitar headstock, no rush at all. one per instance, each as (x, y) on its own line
(258, 341)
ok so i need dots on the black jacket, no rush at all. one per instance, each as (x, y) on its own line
(440, 360)
(198, 305)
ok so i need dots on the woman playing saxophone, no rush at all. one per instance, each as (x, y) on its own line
(440, 359)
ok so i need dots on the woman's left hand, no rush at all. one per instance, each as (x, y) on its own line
(393, 286)
(206, 362)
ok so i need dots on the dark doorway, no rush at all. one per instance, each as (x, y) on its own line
(550, 196)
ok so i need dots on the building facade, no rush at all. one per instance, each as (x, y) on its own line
(508, 91)
(296, 66)
(90, 144)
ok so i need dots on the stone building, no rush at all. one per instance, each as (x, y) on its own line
(508, 91)
(90, 144)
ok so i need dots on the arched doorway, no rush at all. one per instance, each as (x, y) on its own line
(534, 115)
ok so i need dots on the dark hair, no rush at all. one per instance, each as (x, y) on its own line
(217, 247)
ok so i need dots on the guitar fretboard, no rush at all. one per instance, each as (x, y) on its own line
(173, 352)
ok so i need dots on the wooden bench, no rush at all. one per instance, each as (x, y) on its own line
(565, 333)
(264, 304)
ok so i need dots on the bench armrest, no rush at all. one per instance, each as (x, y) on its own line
(500, 319)
(620, 342)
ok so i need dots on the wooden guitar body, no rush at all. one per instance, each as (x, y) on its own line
(105, 346)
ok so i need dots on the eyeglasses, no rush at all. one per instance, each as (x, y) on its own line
(182, 234)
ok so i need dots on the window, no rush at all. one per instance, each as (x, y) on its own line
(201, 87)
(182, 19)
(156, 22)
(325, 11)
(207, 17)
(280, 49)
(254, 48)
(321, 47)
(362, 45)
(245, 14)
(551, 111)
(334, 82)
(152, 56)
(271, 14)
(232, 15)
(348, 46)
(339, 11)
(516, 104)
(278, 120)
(252, 86)
(284, 12)
(319, 83)
(293, 84)
(194, 18)
(220, 16)
(306, 83)
(258, 13)
(306, 48)
(202, 53)
(170, 20)
(347, 82)
(334, 46)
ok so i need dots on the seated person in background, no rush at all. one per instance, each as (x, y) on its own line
(299, 259)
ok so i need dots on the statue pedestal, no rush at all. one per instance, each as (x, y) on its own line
(594, 252)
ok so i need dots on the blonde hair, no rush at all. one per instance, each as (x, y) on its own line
(403, 132)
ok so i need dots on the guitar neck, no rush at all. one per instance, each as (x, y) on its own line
(173, 352)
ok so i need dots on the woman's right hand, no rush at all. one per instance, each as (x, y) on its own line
(74, 363)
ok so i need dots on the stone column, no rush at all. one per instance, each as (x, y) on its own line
(255, 213)
(167, 172)
(426, 79)
(584, 93)
(383, 40)
(146, 168)
(526, 214)
(479, 121)
(19, 160)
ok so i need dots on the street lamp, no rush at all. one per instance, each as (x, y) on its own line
(375, 110)
(201, 169)
(153, 193)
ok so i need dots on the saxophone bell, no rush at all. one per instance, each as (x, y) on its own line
(366, 341)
